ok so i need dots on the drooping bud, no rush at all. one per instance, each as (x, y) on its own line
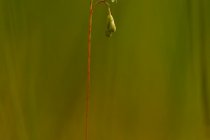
(111, 27)
(110, 22)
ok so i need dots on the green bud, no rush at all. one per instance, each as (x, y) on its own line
(114, 1)
(111, 27)
(110, 23)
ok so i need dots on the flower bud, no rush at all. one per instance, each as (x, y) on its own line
(110, 24)
(114, 1)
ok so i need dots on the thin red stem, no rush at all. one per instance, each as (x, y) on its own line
(88, 70)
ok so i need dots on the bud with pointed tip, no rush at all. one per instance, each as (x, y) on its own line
(111, 27)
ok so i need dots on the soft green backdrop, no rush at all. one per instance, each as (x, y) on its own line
(150, 81)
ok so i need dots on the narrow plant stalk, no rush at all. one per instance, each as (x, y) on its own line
(88, 70)
(110, 30)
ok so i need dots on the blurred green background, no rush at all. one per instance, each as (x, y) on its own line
(150, 80)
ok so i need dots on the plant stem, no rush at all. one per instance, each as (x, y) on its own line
(88, 70)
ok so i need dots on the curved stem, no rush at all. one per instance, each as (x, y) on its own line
(101, 2)
(89, 62)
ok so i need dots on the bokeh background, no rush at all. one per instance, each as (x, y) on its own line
(149, 81)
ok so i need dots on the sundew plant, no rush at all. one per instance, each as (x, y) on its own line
(110, 28)
(104, 70)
